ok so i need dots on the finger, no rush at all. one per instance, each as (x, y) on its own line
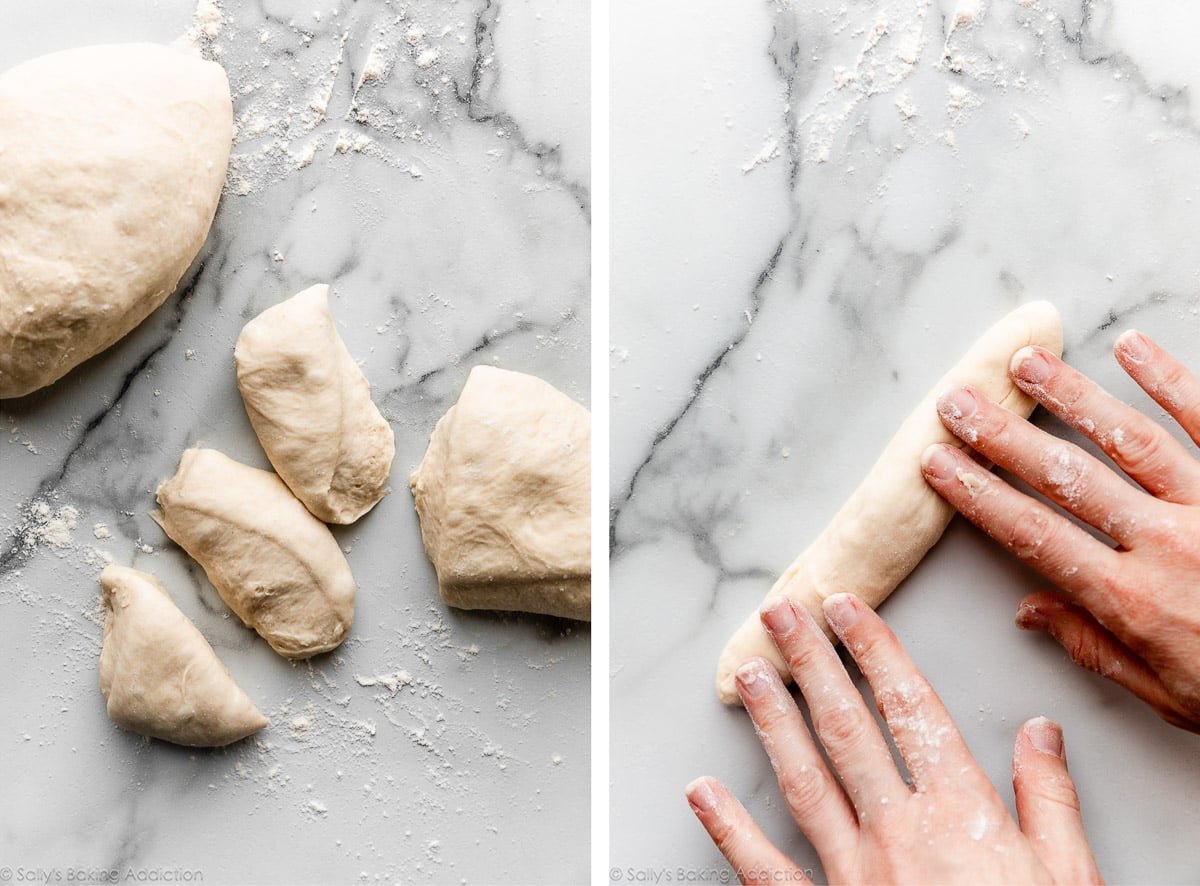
(1046, 541)
(841, 719)
(1142, 449)
(736, 834)
(1093, 647)
(1164, 378)
(813, 795)
(1048, 805)
(1064, 473)
(923, 729)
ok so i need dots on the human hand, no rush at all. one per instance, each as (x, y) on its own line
(866, 823)
(1130, 613)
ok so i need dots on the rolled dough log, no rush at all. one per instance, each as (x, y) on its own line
(275, 564)
(158, 673)
(112, 159)
(894, 517)
(311, 408)
(503, 494)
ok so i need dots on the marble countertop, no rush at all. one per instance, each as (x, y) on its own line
(816, 207)
(445, 196)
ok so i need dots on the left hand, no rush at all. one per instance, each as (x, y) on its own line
(867, 824)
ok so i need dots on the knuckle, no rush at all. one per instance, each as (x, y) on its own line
(804, 657)
(1053, 789)
(1030, 533)
(1138, 449)
(843, 726)
(1086, 650)
(805, 791)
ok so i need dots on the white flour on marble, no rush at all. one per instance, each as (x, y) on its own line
(385, 96)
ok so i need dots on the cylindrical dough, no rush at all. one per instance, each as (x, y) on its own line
(158, 673)
(311, 408)
(894, 517)
(275, 564)
(112, 159)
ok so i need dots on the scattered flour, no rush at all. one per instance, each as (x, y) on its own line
(768, 152)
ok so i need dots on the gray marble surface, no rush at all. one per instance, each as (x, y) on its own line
(445, 196)
(816, 207)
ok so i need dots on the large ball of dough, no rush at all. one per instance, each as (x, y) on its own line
(112, 160)
(504, 497)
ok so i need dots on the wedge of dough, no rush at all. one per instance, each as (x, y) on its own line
(894, 517)
(275, 564)
(503, 494)
(158, 673)
(311, 408)
(112, 159)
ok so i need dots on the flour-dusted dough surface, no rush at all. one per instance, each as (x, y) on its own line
(311, 408)
(504, 494)
(158, 673)
(275, 564)
(894, 517)
(112, 160)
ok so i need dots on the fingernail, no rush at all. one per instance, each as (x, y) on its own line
(840, 612)
(780, 617)
(957, 404)
(1030, 366)
(752, 679)
(1045, 736)
(1134, 346)
(937, 462)
(700, 796)
(1030, 618)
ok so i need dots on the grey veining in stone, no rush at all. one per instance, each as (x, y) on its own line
(816, 207)
(431, 162)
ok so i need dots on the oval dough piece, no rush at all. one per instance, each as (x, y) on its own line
(503, 494)
(312, 409)
(275, 564)
(112, 160)
(894, 517)
(158, 673)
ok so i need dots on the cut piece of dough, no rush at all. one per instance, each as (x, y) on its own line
(112, 159)
(312, 409)
(894, 517)
(503, 494)
(158, 673)
(275, 564)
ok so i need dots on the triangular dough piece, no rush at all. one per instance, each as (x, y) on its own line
(159, 674)
(504, 497)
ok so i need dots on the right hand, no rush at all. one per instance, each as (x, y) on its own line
(1130, 613)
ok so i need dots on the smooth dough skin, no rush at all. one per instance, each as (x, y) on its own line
(894, 517)
(112, 160)
(158, 673)
(275, 564)
(312, 409)
(503, 494)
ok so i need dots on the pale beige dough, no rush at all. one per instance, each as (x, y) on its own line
(158, 673)
(503, 494)
(275, 564)
(894, 517)
(112, 159)
(311, 408)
